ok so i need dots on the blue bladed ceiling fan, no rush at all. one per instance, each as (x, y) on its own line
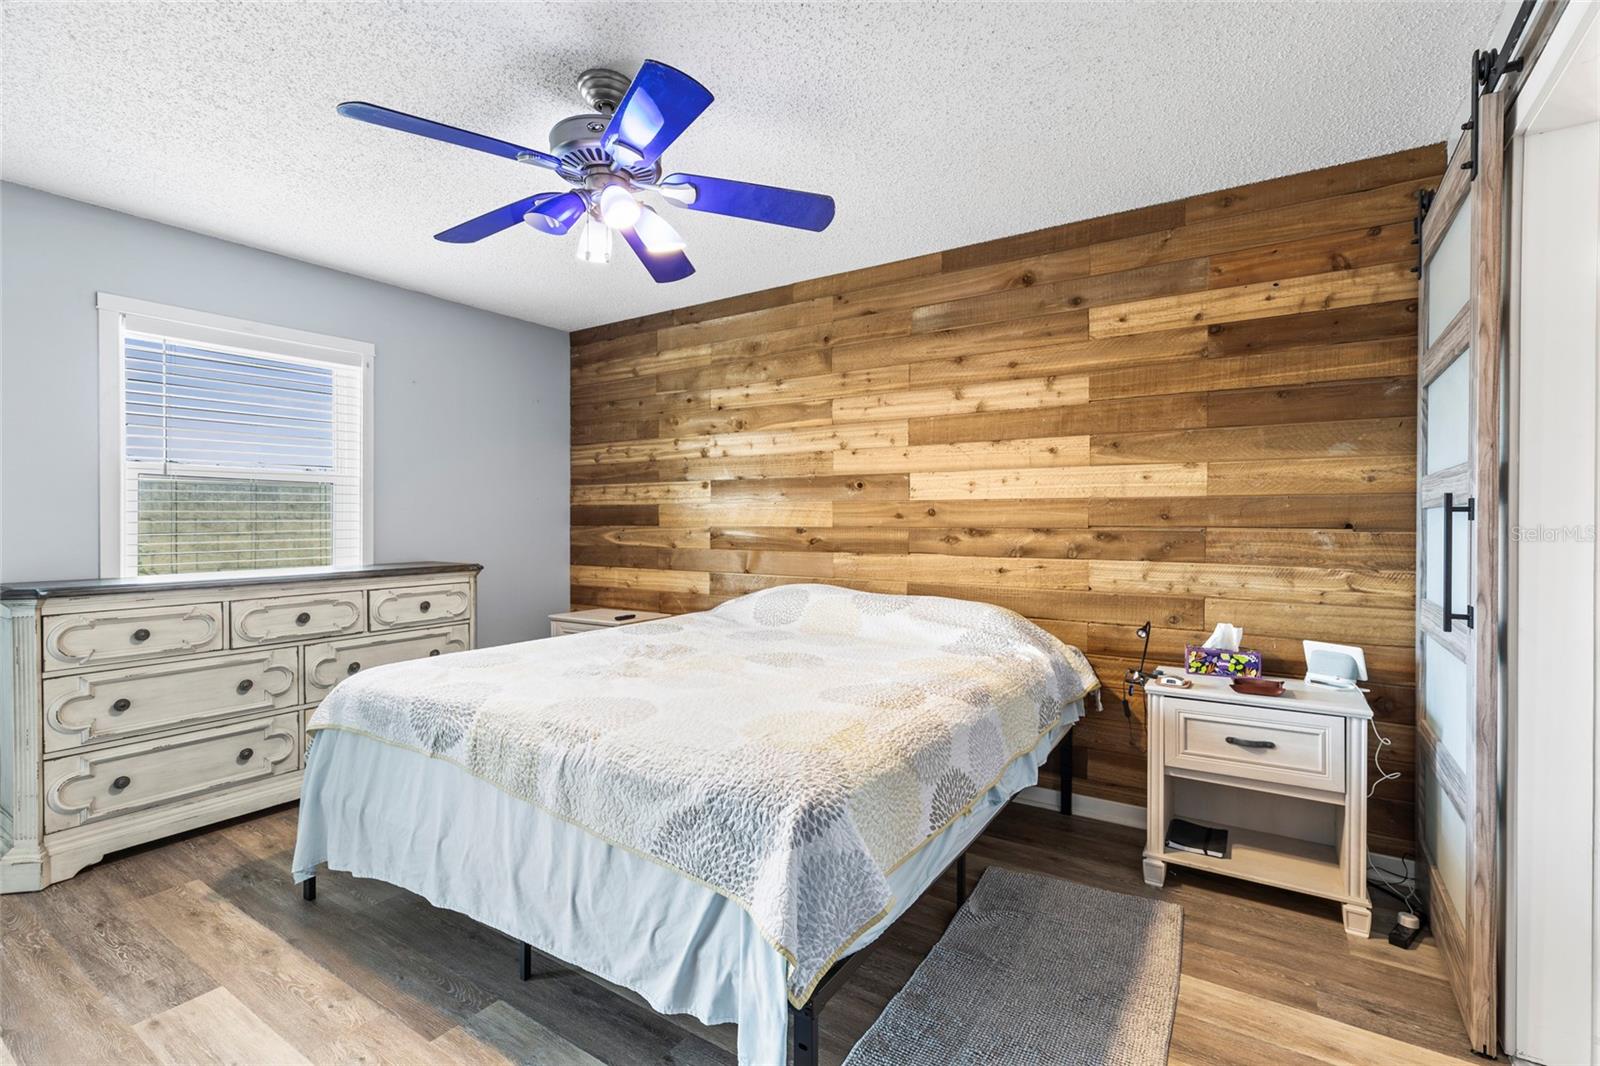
(609, 157)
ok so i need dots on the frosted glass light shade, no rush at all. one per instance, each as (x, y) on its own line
(656, 233)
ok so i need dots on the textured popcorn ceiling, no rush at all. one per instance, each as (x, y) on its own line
(931, 125)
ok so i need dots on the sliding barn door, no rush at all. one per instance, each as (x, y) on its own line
(1459, 548)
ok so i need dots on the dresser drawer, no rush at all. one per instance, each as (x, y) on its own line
(561, 629)
(330, 663)
(96, 638)
(1256, 743)
(417, 605)
(272, 619)
(112, 704)
(92, 786)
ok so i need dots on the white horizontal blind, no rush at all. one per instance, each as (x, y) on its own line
(236, 459)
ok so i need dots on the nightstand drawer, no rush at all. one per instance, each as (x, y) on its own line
(1256, 743)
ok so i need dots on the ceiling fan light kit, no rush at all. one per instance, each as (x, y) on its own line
(611, 156)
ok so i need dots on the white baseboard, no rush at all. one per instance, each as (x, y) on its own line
(1101, 810)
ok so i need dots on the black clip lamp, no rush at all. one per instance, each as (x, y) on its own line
(1137, 678)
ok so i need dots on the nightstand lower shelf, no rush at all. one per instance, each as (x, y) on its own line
(1270, 859)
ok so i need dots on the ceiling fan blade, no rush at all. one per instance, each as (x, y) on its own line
(423, 127)
(492, 222)
(658, 107)
(558, 212)
(663, 266)
(743, 199)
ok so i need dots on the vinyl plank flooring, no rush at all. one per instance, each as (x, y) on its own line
(373, 974)
(50, 1012)
(214, 1028)
(301, 999)
(140, 972)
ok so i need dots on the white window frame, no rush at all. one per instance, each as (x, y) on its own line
(118, 313)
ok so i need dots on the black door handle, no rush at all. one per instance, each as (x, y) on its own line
(1470, 509)
(1243, 742)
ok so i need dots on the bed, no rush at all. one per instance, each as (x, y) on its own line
(715, 810)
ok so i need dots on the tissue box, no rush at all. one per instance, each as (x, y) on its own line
(1221, 662)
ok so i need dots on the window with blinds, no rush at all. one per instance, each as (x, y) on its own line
(237, 451)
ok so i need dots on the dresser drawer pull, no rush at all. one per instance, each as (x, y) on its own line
(245, 754)
(434, 652)
(140, 636)
(121, 783)
(245, 686)
(302, 618)
(1257, 744)
(121, 705)
(353, 668)
(424, 606)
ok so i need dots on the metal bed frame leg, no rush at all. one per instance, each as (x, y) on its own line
(961, 879)
(527, 961)
(308, 888)
(1064, 771)
(803, 1035)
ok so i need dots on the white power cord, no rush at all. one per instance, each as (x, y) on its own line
(1383, 775)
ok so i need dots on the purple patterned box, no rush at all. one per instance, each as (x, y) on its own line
(1221, 662)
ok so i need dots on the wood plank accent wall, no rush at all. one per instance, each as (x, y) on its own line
(1196, 412)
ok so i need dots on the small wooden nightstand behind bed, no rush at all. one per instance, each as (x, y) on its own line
(597, 618)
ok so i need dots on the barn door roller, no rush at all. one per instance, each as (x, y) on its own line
(1487, 69)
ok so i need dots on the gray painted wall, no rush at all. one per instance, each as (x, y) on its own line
(472, 420)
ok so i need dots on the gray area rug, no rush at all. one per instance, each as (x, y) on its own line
(1042, 971)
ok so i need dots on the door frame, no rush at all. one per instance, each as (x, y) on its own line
(1552, 951)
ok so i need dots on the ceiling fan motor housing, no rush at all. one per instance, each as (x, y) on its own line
(575, 141)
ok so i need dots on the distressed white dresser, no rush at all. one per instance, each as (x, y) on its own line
(137, 708)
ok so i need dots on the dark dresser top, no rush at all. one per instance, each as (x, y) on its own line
(105, 586)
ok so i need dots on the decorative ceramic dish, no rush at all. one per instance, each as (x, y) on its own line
(1257, 686)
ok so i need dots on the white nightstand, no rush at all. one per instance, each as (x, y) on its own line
(597, 618)
(1285, 775)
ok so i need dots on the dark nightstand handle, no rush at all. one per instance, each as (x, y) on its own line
(424, 606)
(1255, 744)
(435, 651)
(245, 686)
(140, 636)
(121, 705)
(121, 783)
(302, 618)
(245, 754)
(353, 668)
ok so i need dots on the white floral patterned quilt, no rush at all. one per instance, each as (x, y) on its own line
(788, 749)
